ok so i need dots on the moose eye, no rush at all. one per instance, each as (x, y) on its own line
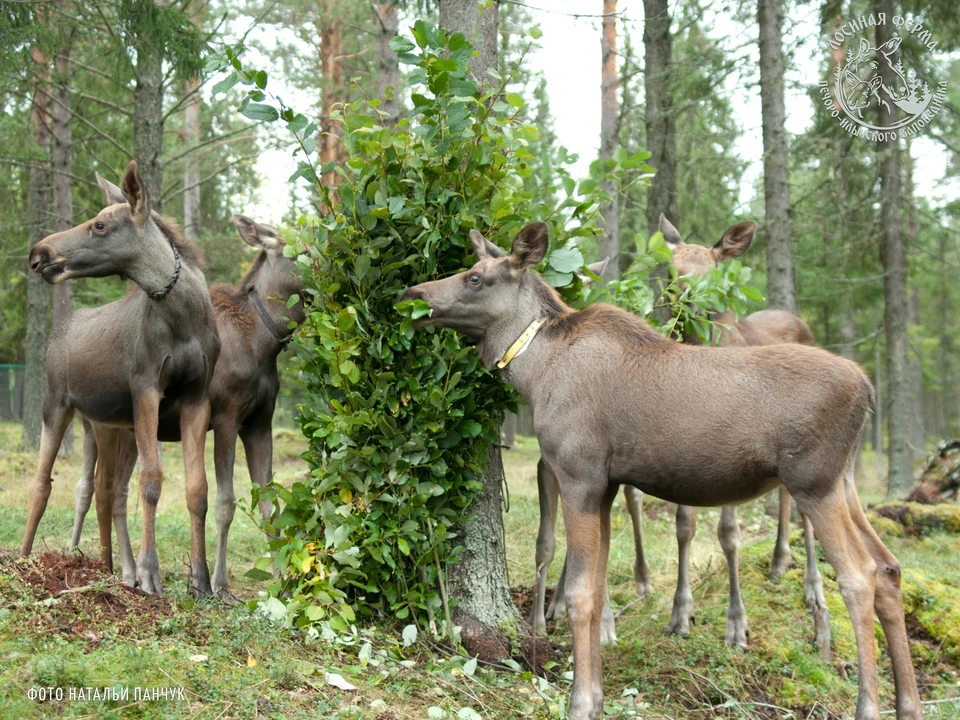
(99, 226)
(475, 279)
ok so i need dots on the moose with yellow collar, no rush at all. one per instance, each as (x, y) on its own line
(616, 403)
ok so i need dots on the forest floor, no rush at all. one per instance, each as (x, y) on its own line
(227, 662)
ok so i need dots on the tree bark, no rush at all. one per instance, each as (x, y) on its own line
(6, 407)
(61, 155)
(331, 147)
(191, 162)
(38, 294)
(148, 118)
(388, 67)
(609, 121)
(480, 580)
(781, 292)
(900, 456)
(464, 16)
(660, 118)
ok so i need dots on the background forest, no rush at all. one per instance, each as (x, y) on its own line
(289, 111)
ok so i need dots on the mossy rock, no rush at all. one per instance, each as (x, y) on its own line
(885, 527)
(932, 607)
(918, 520)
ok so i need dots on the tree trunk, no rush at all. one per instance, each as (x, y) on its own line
(781, 292)
(38, 294)
(191, 163)
(61, 155)
(900, 457)
(609, 117)
(388, 67)
(148, 118)
(465, 16)
(917, 431)
(661, 136)
(948, 394)
(6, 407)
(331, 147)
(480, 580)
(878, 412)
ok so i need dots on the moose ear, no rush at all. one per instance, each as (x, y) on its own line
(135, 193)
(255, 234)
(671, 236)
(111, 193)
(483, 247)
(529, 246)
(596, 268)
(735, 241)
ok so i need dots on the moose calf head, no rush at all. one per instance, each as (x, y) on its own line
(696, 260)
(495, 289)
(109, 244)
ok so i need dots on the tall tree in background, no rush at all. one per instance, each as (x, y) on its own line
(480, 580)
(609, 117)
(61, 156)
(388, 67)
(331, 52)
(660, 118)
(148, 119)
(781, 292)
(38, 293)
(899, 454)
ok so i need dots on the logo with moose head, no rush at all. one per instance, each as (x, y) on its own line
(859, 89)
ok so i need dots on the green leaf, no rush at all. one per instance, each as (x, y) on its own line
(261, 112)
(751, 292)
(298, 123)
(258, 575)
(228, 82)
(514, 99)
(401, 44)
(566, 260)
(409, 635)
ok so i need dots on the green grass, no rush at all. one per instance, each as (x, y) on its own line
(254, 669)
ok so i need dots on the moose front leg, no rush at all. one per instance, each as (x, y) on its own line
(224, 454)
(146, 407)
(84, 492)
(548, 493)
(728, 530)
(641, 571)
(683, 598)
(55, 421)
(194, 421)
(586, 513)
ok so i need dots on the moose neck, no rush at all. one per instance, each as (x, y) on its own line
(535, 301)
(269, 303)
(155, 266)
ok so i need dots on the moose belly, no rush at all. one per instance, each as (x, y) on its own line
(699, 480)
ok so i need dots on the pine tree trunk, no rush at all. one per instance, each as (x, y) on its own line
(661, 136)
(609, 121)
(776, 168)
(148, 118)
(38, 293)
(900, 456)
(480, 580)
(388, 67)
(331, 147)
(6, 407)
(61, 155)
(191, 163)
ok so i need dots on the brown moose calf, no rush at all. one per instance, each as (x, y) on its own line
(692, 425)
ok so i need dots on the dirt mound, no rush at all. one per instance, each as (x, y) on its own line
(77, 595)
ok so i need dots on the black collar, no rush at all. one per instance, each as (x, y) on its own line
(284, 338)
(164, 291)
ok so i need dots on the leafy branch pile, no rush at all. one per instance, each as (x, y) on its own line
(399, 422)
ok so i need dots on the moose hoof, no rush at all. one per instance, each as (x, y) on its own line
(736, 634)
(200, 581)
(557, 609)
(608, 633)
(782, 560)
(682, 617)
(148, 574)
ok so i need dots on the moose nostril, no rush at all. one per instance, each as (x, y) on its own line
(36, 258)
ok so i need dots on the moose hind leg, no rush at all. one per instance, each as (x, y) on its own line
(85, 485)
(224, 452)
(813, 592)
(641, 571)
(194, 421)
(782, 559)
(889, 606)
(683, 598)
(728, 530)
(857, 579)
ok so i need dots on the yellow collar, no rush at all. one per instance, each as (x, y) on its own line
(521, 343)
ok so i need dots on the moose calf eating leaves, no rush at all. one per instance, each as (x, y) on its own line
(616, 403)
